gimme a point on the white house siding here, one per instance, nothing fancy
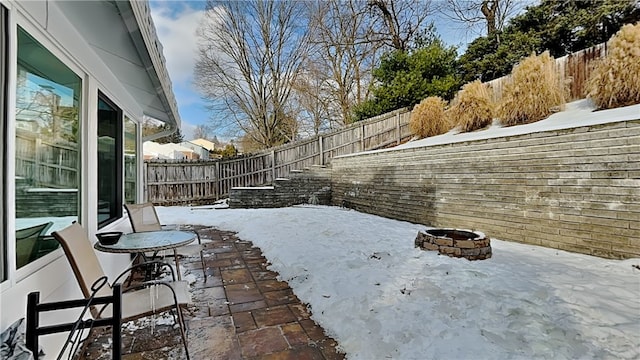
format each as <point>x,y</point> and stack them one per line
<point>203,153</point>
<point>153,150</point>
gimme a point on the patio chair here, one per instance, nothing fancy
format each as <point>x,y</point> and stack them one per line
<point>143,217</point>
<point>28,243</point>
<point>137,301</point>
<point>77,329</point>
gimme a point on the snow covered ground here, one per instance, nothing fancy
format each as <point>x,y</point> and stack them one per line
<point>381,298</point>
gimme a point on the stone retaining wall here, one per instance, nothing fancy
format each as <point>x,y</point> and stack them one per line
<point>46,203</point>
<point>575,189</point>
<point>308,187</point>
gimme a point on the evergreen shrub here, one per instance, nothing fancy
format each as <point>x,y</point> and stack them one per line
<point>615,80</point>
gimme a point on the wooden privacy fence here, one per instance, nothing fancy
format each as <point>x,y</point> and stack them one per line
<point>44,163</point>
<point>202,181</point>
<point>574,69</point>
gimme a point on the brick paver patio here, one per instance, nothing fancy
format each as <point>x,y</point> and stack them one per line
<point>241,312</point>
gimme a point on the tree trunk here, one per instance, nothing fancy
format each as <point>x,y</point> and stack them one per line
<point>489,9</point>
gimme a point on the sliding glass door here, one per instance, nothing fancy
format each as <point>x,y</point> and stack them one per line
<point>110,164</point>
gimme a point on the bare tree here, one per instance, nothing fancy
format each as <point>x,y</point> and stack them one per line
<point>201,132</point>
<point>339,68</point>
<point>494,13</point>
<point>43,106</point>
<point>250,54</point>
<point>400,20</point>
<point>312,99</point>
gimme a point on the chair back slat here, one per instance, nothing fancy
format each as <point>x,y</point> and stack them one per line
<point>82,258</point>
<point>143,217</point>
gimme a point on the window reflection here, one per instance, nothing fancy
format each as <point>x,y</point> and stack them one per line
<point>47,148</point>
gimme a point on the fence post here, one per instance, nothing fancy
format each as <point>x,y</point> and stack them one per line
<point>273,166</point>
<point>398,126</point>
<point>321,150</point>
<point>218,184</point>
<point>244,179</point>
<point>145,181</point>
<point>362,138</point>
<point>36,164</point>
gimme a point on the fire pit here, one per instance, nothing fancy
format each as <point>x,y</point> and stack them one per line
<point>472,245</point>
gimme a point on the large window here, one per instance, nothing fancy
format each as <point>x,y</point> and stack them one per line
<point>109,161</point>
<point>47,148</point>
<point>130,163</point>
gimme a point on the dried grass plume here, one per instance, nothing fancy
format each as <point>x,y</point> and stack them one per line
<point>533,90</point>
<point>472,109</point>
<point>428,119</point>
<point>615,80</point>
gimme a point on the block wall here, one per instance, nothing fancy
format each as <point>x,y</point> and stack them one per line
<point>48,203</point>
<point>309,187</point>
<point>574,189</point>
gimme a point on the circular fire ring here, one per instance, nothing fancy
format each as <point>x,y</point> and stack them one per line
<point>472,245</point>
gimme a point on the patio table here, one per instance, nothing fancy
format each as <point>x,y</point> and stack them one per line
<point>150,241</point>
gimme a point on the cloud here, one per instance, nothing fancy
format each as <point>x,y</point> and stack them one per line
<point>176,25</point>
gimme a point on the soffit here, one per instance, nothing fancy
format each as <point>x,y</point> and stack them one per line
<point>122,35</point>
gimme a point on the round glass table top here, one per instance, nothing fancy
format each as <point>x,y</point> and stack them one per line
<point>148,241</point>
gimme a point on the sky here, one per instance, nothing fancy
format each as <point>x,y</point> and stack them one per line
<point>176,23</point>
<point>381,298</point>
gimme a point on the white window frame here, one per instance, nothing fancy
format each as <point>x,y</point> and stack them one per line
<point>139,156</point>
<point>16,18</point>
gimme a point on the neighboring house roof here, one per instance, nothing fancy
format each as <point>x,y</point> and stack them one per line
<point>164,151</point>
<point>204,143</point>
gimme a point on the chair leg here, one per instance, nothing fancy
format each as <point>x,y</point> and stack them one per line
<point>183,331</point>
<point>177,260</point>
<point>204,268</point>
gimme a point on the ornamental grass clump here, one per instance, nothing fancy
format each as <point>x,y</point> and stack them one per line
<point>428,119</point>
<point>615,80</point>
<point>472,108</point>
<point>535,88</point>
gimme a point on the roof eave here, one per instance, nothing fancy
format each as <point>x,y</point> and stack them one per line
<point>137,18</point>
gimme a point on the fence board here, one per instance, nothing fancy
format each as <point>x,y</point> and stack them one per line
<point>573,69</point>
<point>46,163</point>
